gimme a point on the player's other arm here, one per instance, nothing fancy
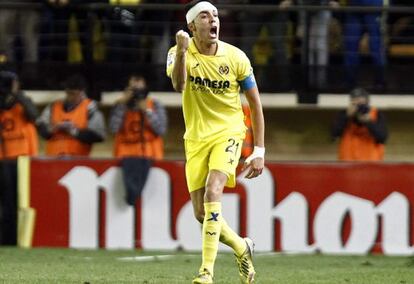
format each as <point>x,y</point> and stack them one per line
<point>256,160</point>
<point>179,73</point>
<point>257,117</point>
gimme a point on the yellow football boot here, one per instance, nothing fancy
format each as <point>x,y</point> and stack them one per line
<point>245,263</point>
<point>204,277</point>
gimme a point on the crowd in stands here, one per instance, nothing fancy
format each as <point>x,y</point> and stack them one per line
<point>114,31</point>
<point>64,30</point>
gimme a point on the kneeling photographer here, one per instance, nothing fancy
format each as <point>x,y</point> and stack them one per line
<point>361,129</point>
<point>138,122</point>
<point>18,134</point>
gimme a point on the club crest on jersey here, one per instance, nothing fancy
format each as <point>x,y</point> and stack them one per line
<point>224,69</point>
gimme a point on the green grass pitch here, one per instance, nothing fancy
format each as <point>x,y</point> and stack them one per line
<point>105,266</point>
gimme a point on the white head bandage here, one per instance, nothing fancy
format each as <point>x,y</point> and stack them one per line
<point>197,9</point>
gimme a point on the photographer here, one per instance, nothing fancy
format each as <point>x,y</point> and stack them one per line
<point>72,125</point>
<point>138,122</point>
<point>361,129</point>
<point>18,135</point>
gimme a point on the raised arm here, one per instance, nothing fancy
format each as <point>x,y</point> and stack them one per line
<point>179,72</point>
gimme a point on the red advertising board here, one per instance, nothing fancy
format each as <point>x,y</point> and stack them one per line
<point>349,208</point>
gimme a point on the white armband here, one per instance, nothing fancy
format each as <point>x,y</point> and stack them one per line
<point>258,152</point>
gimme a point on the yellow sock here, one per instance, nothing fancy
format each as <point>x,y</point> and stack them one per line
<point>230,238</point>
<point>211,234</point>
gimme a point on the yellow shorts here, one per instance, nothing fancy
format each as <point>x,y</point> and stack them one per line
<point>222,154</point>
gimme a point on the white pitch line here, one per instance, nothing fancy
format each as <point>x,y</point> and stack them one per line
<point>259,254</point>
<point>285,253</point>
<point>145,258</point>
<point>148,258</point>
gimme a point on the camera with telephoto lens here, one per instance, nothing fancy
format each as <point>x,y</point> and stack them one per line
<point>139,94</point>
<point>6,86</point>
<point>363,109</point>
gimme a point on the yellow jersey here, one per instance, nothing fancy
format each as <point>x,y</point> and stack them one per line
<point>211,96</point>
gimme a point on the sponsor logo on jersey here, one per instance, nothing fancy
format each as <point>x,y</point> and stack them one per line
<point>214,84</point>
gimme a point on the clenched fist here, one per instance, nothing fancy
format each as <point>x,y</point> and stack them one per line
<point>183,39</point>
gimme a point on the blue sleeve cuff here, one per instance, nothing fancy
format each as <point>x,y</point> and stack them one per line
<point>248,83</point>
